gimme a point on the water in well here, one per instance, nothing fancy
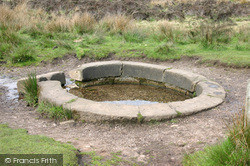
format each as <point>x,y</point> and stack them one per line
<point>129,94</point>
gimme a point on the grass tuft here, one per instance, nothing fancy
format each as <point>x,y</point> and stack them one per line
<point>23,54</point>
<point>31,89</point>
<point>84,23</point>
<point>54,112</point>
<point>116,23</point>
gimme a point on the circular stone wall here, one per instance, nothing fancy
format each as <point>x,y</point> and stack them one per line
<point>208,93</point>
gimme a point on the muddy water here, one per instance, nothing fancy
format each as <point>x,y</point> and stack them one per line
<point>129,94</point>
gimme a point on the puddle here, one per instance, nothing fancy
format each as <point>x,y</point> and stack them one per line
<point>69,84</point>
<point>129,94</point>
<point>11,86</point>
<point>131,102</point>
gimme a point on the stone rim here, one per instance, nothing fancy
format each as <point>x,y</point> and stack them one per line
<point>209,93</point>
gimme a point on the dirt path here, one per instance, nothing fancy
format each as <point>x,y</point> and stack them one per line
<point>158,144</point>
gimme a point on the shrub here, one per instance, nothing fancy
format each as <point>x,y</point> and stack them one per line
<point>54,112</point>
<point>31,89</point>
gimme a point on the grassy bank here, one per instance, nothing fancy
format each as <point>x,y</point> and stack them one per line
<point>31,36</point>
<point>232,151</point>
<point>17,141</point>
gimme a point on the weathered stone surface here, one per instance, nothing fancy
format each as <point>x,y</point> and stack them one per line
<point>210,88</point>
<point>143,70</point>
<point>197,104</point>
<point>182,79</point>
<point>157,111</point>
<point>51,91</point>
<point>97,70</point>
<point>96,111</point>
<point>59,76</point>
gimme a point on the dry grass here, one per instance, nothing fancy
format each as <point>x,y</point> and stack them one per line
<point>21,17</point>
<point>84,23</point>
<point>8,17</point>
<point>58,24</point>
<point>239,132</point>
<point>164,3</point>
<point>116,23</point>
<point>169,30</point>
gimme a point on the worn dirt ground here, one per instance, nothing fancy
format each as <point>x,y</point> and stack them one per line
<point>161,143</point>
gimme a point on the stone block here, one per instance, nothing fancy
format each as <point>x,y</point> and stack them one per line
<point>182,79</point>
<point>58,76</point>
<point>210,88</point>
<point>194,105</point>
<point>157,111</point>
<point>51,91</point>
<point>143,70</point>
<point>97,70</point>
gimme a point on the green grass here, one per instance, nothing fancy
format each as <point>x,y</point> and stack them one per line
<point>31,89</point>
<point>115,159</point>
<point>223,154</point>
<point>234,151</point>
<point>17,141</point>
<point>24,48</point>
<point>54,112</point>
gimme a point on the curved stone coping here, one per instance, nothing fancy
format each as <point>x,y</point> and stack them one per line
<point>209,94</point>
<point>172,77</point>
<point>59,76</point>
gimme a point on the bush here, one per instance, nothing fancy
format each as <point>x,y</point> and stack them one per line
<point>54,112</point>
<point>31,89</point>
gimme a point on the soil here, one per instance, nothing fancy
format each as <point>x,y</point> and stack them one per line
<point>142,9</point>
<point>159,143</point>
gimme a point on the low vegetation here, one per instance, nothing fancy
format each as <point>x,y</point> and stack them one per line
<point>17,141</point>
<point>54,112</point>
<point>31,89</point>
<point>30,36</point>
<point>233,151</point>
<point>116,159</point>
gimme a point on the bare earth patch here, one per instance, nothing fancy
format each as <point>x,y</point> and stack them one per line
<point>160,143</point>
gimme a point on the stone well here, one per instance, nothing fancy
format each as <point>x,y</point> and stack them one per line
<point>209,94</point>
